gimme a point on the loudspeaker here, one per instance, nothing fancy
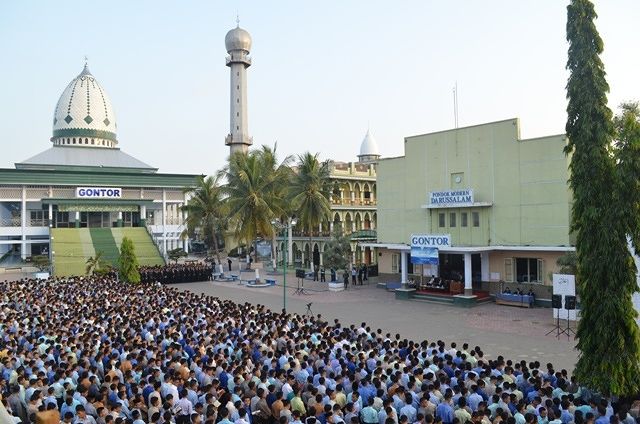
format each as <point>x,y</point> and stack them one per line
<point>556,301</point>
<point>570,302</point>
<point>299,273</point>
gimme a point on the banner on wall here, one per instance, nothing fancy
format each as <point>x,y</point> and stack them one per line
<point>564,285</point>
<point>424,247</point>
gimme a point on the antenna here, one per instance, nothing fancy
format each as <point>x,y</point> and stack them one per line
<point>455,105</point>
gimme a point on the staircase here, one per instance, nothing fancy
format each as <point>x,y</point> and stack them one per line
<point>73,246</point>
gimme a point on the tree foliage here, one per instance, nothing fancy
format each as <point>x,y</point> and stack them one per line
<point>128,262</point>
<point>176,254</point>
<point>97,265</point>
<point>256,193</point>
<point>567,263</point>
<point>207,210</point>
<point>309,193</point>
<point>608,337</point>
<point>41,262</point>
<point>338,251</point>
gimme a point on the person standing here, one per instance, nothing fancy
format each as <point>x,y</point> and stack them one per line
<point>322,275</point>
<point>354,273</point>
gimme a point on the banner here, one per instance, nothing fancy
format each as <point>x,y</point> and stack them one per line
<point>564,285</point>
<point>424,247</point>
<point>424,255</point>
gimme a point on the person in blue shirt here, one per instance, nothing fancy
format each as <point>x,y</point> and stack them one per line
<point>444,411</point>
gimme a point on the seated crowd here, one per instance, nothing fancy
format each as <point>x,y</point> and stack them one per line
<point>94,350</point>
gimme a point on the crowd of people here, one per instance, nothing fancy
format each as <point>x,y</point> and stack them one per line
<point>98,351</point>
<point>177,273</point>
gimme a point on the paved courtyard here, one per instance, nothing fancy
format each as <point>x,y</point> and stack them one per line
<point>516,333</point>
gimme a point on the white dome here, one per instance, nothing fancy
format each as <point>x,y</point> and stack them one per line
<point>84,113</point>
<point>369,147</point>
<point>237,39</point>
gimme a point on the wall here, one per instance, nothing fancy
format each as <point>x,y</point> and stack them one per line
<point>496,262</point>
<point>525,181</point>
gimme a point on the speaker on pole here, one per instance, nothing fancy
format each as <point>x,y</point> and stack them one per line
<point>570,302</point>
<point>556,301</point>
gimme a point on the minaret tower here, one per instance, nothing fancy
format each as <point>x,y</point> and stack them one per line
<point>238,44</point>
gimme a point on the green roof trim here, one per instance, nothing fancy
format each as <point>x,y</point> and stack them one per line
<point>84,132</point>
<point>99,178</point>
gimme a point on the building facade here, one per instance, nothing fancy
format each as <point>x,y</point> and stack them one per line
<point>353,211</point>
<point>84,180</point>
<point>504,201</point>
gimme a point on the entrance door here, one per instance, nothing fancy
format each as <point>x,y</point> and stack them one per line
<point>95,219</point>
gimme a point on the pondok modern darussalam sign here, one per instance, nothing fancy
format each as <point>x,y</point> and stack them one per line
<point>451,197</point>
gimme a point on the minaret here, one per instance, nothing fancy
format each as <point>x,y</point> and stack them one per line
<point>238,44</point>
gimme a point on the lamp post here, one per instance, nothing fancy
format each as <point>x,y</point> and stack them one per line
<point>279,225</point>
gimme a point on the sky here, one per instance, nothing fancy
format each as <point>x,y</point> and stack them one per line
<point>322,72</point>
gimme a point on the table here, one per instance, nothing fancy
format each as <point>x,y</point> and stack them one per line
<point>524,301</point>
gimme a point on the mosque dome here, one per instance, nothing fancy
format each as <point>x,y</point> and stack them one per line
<point>84,115</point>
<point>369,147</point>
<point>237,39</point>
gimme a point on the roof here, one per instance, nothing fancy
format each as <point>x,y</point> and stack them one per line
<point>85,157</point>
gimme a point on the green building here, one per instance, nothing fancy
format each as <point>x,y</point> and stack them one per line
<point>84,194</point>
<point>503,201</point>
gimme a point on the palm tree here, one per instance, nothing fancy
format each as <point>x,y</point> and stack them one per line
<point>255,190</point>
<point>310,191</point>
<point>94,264</point>
<point>206,209</point>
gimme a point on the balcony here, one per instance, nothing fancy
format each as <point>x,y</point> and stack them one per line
<point>14,221</point>
<point>353,203</point>
<point>364,235</point>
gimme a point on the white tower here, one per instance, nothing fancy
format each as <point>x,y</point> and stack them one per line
<point>238,44</point>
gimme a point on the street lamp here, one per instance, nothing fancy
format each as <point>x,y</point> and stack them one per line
<point>279,225</point>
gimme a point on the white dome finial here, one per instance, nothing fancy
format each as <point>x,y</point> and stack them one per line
<point>368,148</point>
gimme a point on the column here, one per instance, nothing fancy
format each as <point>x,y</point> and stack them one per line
<point>50,215</point>
<point>353,196</point>
<point>289,242</point>
<point>403,269</point>
<point>119,222</point>
<point>185,216</point>
<point>77,219</point>
<point>23,223</point>
<point>164,222</point>
<point>331,227</point>
<point>353,226</point>
<point>484,266</point>
<point>468,287</point>
<point>321,264</point>
<point>320,230</point>
<point>143,215</point>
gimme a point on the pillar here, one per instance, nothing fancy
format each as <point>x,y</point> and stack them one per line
<point>164,222</point>
<point>77,219</point>
<point>23,224</point>
<point>120,223</point>
<point>484,266</point>
<point>468,287</point>
<point>289,243</point>
<point>403,269</point>
<point>331,227</point>
<point>321,264</point>
<point>50,215</point>
<point>143,215</point>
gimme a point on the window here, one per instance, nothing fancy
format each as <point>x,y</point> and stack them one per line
<point>452,219</point>
<point>395,262</point>
<point>441,222</point>
<point>463,219</point>
<point>529,270</point>
<point>475,217</point>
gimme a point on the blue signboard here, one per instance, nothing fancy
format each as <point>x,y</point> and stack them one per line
<point>424,255</point>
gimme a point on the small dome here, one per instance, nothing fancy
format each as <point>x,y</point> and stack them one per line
<point>84,112</point>
<point>237,39</point>
<point>369,147</point>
